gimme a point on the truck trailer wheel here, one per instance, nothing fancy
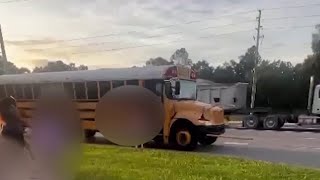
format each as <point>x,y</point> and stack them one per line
<point>251,121</point>
<point>271,122</point>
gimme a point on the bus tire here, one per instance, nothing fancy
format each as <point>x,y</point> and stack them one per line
<point>271,122</point>
<point>184,136</point>
<point>89,133</point>
<point>206,140</point>
<point>251,122</point>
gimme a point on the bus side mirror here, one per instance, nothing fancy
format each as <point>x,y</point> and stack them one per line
<point>177,88</point>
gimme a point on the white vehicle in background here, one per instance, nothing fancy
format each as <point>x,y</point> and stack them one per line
<point>233,99</point>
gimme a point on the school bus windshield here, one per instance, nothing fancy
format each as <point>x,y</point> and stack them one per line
<point>187,90</point>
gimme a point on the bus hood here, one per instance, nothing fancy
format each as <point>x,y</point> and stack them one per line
<point>196,110</point>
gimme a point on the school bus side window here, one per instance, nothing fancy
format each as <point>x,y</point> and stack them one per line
<point>104,87</point>
<point>19,91</point>
<point>36,91</point>
<point>47,86</point>
<point>154,85</point>
<point>80,90</point>
<point>10,90</point>
<point>116,84</point>
<point>68,88</point>
<point>27,89</point>
<point>133,82</point>
<point>92,90</point>
<point>2,91</point>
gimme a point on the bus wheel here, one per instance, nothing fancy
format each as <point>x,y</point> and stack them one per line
<point>206,140</point>
<point>184,138</point>
<point>251,121</point>
<point>271,122</point>
<point>89,133</point>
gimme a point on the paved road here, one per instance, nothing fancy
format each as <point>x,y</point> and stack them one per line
<point>286,127</point>
<point>296,148</point>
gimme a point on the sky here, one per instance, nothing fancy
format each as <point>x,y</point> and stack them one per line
<point>119,33</point>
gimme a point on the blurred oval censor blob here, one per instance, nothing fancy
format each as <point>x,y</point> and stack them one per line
<point>56,135</point>
<point>129,115</point>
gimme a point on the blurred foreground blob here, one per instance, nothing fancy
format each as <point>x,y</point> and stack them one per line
<point>129,115</point>
<point>14,159</point>
<point>56,135</point>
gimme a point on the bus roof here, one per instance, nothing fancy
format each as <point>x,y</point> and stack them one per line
<point>149,72</point>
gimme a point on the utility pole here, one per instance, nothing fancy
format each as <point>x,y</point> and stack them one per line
<point>3,52</point>
<point>254,75</point>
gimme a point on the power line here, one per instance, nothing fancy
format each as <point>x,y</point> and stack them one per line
<point>293,17</point>
<point>12,1</point>
<point>231,24</point>
<point>291,7</point>
<point>292,27</point>
<point>203,37</point>
<point>148,45</point>
<point>107,42</point>
<point>156,28</point>
<point>173,25</point>
<point>148,37</point>
<point>213,18</point>
<point>168,26</point>
<point>277,47</point>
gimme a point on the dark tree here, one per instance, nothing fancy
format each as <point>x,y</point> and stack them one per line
<point>56,66</point>
<point>204,70</point>
<point>12,68</point>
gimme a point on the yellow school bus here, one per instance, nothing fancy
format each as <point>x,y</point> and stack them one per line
<point>187,122</point>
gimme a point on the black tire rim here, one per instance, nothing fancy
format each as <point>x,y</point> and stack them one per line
<point>183,139</point>
<point>251,122</point>
<point>271,123</point>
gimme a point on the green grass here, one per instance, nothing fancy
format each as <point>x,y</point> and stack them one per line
<point>104,162</point>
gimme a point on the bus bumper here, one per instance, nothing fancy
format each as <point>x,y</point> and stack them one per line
<point>212,129</point>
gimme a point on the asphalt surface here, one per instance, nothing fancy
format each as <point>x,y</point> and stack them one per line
<point>286,127</point>
<point>290,147</point>
<point>301,148</point>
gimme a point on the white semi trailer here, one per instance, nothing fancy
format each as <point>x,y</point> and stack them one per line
<point>233,99</point>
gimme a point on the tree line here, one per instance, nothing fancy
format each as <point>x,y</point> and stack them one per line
<point>52,66</point>
<point>280,84</point>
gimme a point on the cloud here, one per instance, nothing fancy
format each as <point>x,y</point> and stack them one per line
<point>51,21</point>
<point>53,53</point>
<point>278,44</point>
<point>39,62</point>
<point>29,42</point>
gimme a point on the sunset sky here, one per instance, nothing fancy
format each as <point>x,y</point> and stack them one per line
<point>118,33</point>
